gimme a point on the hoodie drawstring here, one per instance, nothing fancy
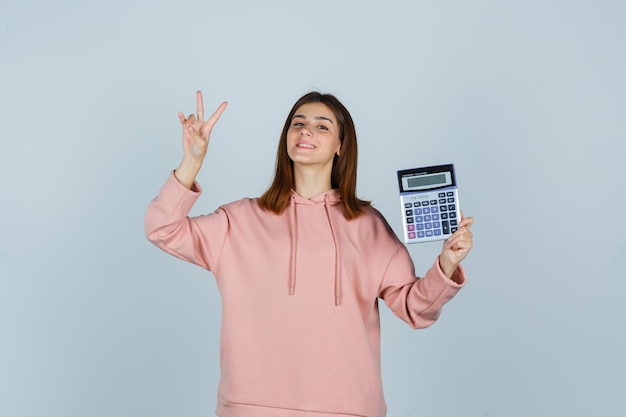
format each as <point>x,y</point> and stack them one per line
<point>332,230</point>
<point>294,248</point>
<point>294,242</point>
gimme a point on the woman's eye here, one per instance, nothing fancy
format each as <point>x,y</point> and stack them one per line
<point>297,124</point>
<point>322,127</point>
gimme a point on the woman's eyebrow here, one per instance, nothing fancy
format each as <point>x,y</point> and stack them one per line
<point>301,116</point>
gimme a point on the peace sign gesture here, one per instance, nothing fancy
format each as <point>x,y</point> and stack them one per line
<point>196,136</point>
<point>197,131</point>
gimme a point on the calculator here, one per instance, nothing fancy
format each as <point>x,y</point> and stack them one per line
<point>430,203</point>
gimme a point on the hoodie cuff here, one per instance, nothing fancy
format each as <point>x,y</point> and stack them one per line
<point>458,279</point>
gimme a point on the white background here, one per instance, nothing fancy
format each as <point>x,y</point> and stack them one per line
<point>527,98</point>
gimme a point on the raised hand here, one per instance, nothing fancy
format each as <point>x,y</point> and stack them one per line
<point>196,136</point>
<point>197,131</point>
<point>456,248</point>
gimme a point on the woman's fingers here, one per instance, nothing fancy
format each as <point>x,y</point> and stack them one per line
<point>199,105</point>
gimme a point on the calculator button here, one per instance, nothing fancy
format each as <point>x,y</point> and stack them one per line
<point>408,205</point>
<point>418,211</point>
<point>441,195</point>
<point>419,226</point>
<point>454,229</point>
<point>410,227</point>
<point>427,210</point>
<point>427,218</point>
<point>451,200</point>
<point>453,223</point>
<point>429,233</point>
<point>444,216</point>
<point>436,225</point>
<point>416,204</point>
<point>437,232</point>
<point>453,214</point>
<point>445,227</point>
<point>411,235</point>
<point>434,209</point>
<point>428,226</point>
<point>424,203</point>
<point>451,207</point>
<point>435,217</point>
<point>409,219</point>
<point>443,208</point>
<point>420,234</point>
<point>408,212</point>
<point>450,194</point>
<point>442,201</point>
<point>433,202</point>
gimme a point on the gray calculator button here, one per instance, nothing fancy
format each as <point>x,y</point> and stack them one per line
<point>416,204</point>
<point>444,208</point>
<point>433,202</point>
<point>453,215</point>
<point>425,203</point>
<point>451,207</point>
<point>451,200</point>
<point>408,205</point>
<point>441,195</point>
<point>444,216</point>
<point>409,219</point>
<point>445,226</point>
<point>408,212</point>
<point>450,194</point>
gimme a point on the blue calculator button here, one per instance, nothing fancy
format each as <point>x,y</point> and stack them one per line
<point>427,210</point>
<point>437,232</point>
<point>418,211</point>
<point>420,234</point>
<point>427,218</point>
<point>429,233</point>
<point>428,226</point>
<point>435,217</point>
<point>434,209</point>
<point>436,225</point>
<point>419,219</point>
<point>419,226</point>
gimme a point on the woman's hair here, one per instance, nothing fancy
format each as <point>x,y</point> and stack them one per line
<point>343,176</point>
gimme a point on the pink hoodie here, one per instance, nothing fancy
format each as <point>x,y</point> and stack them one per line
<point>300,324</point>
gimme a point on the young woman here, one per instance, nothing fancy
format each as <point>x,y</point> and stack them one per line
<point>300,270</point>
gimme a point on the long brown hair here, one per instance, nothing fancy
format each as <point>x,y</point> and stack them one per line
<point>343,176</point>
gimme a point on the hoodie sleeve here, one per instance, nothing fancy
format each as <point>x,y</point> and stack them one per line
<point>417,301</point>
<point>198,240</point>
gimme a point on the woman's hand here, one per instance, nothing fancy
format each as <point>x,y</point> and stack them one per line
<point>196,136</point>
<point>456,248</point>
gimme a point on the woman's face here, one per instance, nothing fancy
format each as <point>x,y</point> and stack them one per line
<point>313,136</point>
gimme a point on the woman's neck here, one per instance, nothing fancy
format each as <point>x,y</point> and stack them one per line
<point>310,182</point>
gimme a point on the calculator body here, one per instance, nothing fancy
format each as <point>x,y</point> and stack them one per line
<point>430,203</point>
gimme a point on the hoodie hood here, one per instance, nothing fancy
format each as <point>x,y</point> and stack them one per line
<point>323,200</point>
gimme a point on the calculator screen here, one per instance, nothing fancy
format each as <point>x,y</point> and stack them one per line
<point>436,179</point>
